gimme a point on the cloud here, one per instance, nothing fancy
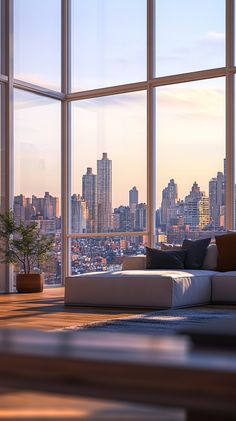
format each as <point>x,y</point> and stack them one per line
<point>214,36</point>
<point>193,101</point>
<point>24,100</point>
<point>38,79</point>
<point>118,100</point>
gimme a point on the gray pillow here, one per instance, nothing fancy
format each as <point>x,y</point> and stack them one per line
<point>169,259</point>
<point>195,252</point>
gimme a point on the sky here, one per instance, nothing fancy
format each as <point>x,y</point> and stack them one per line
<point>109,48</point>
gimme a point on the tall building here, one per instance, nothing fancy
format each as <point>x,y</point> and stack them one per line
<point>133,201</point>
<point>19,208</point>
<point>141,217</point>
<point>79,213</point>
<point>203,210</point>
<point>168,204</point>
<point>104,194</point>
<point>196,209</point>
<point>89,193</point>
<point>217,201</point>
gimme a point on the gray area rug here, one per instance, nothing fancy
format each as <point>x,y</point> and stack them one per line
<point>161,321</point>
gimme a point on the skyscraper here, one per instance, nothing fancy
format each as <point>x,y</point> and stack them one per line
<point>168,204</point>
<point>141,217</point>
<point>79,214</point>
<point>217,200</point>
<point>89,193</point>
<point>133,201</point>
<point>196,209</point>
<point>104,194</point>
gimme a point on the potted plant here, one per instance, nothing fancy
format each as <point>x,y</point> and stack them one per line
<point>22,245</point>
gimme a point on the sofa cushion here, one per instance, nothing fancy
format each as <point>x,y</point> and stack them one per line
<point>195,252</point>
<point>224,287</point>
<point>210,261</point>
<point>140,288</point>
<point>169,259</point>
<point>226,245</point>
<point>134,262</point>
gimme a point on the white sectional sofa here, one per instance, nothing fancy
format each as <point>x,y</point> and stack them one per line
<point>135,286</point>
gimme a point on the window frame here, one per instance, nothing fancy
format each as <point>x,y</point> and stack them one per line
<point>151,82</point>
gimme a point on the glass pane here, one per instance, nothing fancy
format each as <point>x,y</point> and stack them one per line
<point>94,254</point>
<point>37,42</point>
<point>37,173</point>
<point>111,49</point>
<point>109,164</point>
<point>190,35</point>
<point>190,120</point>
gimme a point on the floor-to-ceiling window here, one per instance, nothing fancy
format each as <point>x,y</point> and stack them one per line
<point>37,122</point>
<point>37,170</point>
<point>118,124</point>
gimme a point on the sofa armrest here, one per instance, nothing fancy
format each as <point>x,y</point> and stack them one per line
<point>134,262</point>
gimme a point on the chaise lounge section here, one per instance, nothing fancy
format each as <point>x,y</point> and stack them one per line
<point>140,288</point>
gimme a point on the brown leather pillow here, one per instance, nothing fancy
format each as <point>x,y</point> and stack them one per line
<point>226,245</point>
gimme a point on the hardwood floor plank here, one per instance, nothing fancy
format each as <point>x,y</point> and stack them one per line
<point>46,311</point>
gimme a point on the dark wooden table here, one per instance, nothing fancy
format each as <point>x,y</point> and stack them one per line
<point>139,369</point>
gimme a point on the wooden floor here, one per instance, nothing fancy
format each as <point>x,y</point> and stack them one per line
<point>46,311</point>
<point>32,406</point>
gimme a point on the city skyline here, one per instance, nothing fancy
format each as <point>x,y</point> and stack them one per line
<point>190,128</point>
<point>86,202</point>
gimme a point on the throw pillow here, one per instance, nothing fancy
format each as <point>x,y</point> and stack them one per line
<point>195,252</point>
<point>226,245</point>
<point>210,261</point>
<point>169,259</point>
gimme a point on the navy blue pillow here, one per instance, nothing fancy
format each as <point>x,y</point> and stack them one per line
<point>195,252</point>
<point>168,259</point>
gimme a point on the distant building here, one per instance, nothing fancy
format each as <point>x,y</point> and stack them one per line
<point>89,193</point>
<point>196,209</point>
<point>47,226</point>
<point>19,208</point>
<point>79,214</point>
<point>168,204</point>
<point>123,219</point>
<point>217,200</point>
<point>141,217</point>
<point>133,201</point>
<point>47,206</point>
<point>104,194</point>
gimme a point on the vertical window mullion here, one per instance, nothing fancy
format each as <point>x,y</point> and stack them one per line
<point>65,156</point>
<point>151,153</point>
<point>8,152</point>
<point>230,148</point>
